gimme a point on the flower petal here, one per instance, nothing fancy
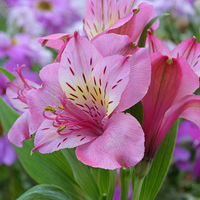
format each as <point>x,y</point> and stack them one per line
<point>111,44</point>
<point>17,92</point>
<point>114,72</point>
<point>121,145</point>
<point>187,107</point>
<point>169,83</point>
<point>189,49</point>
<point>156,45</point>
<point>139,59</point>
<point>48,140</point>
<point>97,16</point>
<point>20,130</point>
<point>139,81</point>
<point>134,27</point>
<point>50,94</point>
<point>55,41</point>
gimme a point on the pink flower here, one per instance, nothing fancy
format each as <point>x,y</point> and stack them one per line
<point>109,16</point>
<point>189,49</point>
<point>169,96</point>
<point>79,106</point>
<point>17,91</point>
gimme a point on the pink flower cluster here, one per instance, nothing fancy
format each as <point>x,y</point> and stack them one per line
<point>94,79</point>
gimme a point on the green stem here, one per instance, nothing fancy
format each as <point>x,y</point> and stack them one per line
<point>125,181</point>
<point>137,188</point>
<point>141,171</point>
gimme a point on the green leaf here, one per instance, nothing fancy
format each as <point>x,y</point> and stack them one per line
<point>9,75</point>
<point>82,175</point>
<point>107,183</point>
<point>160,165</point>
<point>112,183</point>
<point>44,192</point>
<point>43,168</point>
<point>7,115</point>
<point>106,180</point>
<point>142,40</point>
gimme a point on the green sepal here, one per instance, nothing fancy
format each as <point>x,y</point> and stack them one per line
<point>143,36</point>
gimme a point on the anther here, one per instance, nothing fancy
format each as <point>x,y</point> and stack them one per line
<point>50,108</point>
<point>61,128</point>
<point>61,107</point>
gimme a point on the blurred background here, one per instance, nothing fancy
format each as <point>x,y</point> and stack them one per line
<point>23,21</point>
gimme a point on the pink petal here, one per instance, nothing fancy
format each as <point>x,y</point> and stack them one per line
<point>189,49</point>
<point>156,45</point>
<point>55,41</point>
<point>139,81</point>
<point>50,94</point>
<point>140,73</point>
<point>169,83</point>
<point>17,88</point>
<point>20,130</point>
<point>97,16</point>
<point>77,63</point>
<point>111,44</point>
<point>121,145</point>
<point>47,139</point>
<point>116,26</point>
<point>123,7</point>
<point>187,107</point>
<point>134,27</point>
<point>114,73</point>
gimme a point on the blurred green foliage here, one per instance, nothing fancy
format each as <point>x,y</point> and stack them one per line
<point>14,181</point>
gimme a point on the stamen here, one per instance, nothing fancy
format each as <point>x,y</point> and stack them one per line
<point>61,128</point>
<point>50,108</point>
<point>19,71</point>
<point>61,107</point>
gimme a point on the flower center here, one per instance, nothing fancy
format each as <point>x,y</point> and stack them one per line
<point>44,5</point>
<point>67,122</point>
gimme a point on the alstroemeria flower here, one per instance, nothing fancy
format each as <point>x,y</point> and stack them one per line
<point>76,108</point>
<point>17,91</point>
<point>109,16</point>
<point>189,49</point>
<point>169,96</point>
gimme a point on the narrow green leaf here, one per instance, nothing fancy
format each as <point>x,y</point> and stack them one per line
<point>142,40</point>
<point>44,192</point>
<point>104,182</point>
<point>112,183</point>
<point>160,165</point>
<point>82,175</point>
<point>43,168</point>
<point>9,75</point>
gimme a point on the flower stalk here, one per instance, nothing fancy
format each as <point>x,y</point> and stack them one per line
<point>141,171</point>
<point>125,176</point>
